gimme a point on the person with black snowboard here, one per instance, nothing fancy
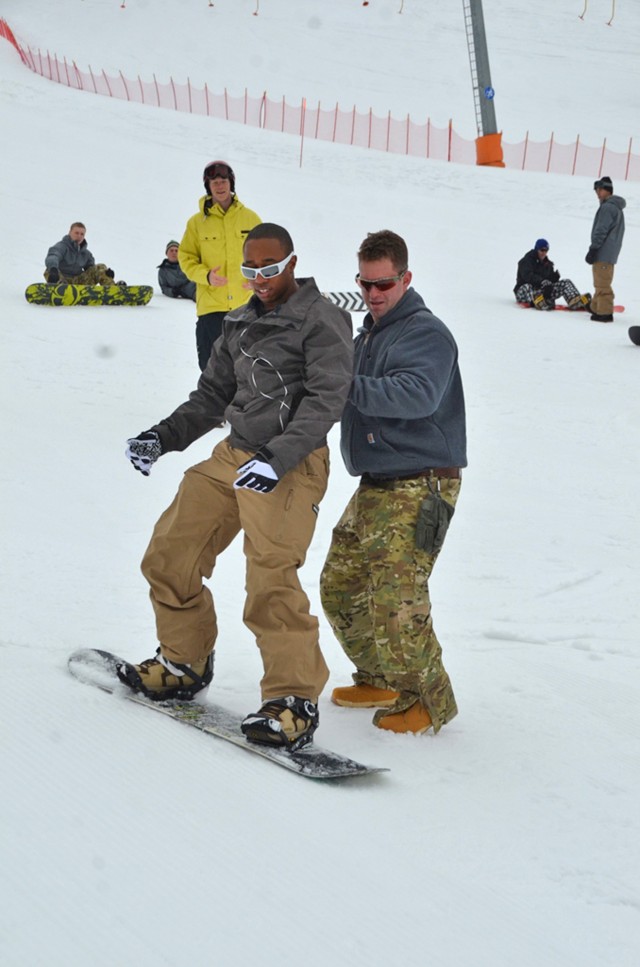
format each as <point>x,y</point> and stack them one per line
<point>171,278</point>
<point>538,283</point>
<point>279,375</point>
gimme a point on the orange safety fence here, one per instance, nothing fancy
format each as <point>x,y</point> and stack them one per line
<point>365,130</point>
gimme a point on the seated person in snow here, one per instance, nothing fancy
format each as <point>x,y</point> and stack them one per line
<point>69,260</point>
<point>171,278</point>
<point>539,284</point>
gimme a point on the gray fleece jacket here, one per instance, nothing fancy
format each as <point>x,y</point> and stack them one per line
<point>608,229</point>
<point>69,257</point>
<point>279,379</point>
<point>405,411</point>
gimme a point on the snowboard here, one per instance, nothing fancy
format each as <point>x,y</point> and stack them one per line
<point>98,668</point>
<point>67,294</point>
<point>351,301</point>
<point>525,305</point>
<point>634,334</point>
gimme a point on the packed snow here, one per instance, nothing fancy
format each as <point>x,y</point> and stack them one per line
<point>511,838</point>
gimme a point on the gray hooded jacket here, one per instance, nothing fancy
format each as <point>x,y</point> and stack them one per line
<point>608,229</point>
<point>174,282</point>
<point>405,411</point>
<point>69,257</point>
<point>279,379</point>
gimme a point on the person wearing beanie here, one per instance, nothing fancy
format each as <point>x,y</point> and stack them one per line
<point>210,254</point>
<point>538,282</point>
<point>171,278</point>
<point>607,233</point>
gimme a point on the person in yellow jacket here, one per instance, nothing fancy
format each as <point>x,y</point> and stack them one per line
<point>210,254</point>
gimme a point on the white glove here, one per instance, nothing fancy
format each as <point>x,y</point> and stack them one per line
<point>143,451</point>
<point>257,474</point>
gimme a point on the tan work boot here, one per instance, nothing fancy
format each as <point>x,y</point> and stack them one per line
<point>160,679</point>
<point>364,696</point>
<point>415,719</point>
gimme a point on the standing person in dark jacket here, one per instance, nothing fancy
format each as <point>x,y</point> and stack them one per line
<point>538,283</point>
<point>403,431</point>
<point>171,278</point>
<point>211,252</point>
<point>279,375</point>
<point>607,233</point>
<point>69,260</point>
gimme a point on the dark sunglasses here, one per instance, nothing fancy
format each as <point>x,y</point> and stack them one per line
<point>383,285</point>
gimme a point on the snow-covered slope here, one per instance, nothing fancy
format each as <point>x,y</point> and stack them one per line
<point>512,836</point>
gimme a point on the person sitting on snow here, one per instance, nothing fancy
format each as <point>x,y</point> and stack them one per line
<point>171,278</point>
<point>69,260</point>
<point>539,284</point>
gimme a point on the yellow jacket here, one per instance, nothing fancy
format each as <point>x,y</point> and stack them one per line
<point>214,238</point>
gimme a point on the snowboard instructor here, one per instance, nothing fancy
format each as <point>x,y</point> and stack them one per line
<point>279,375</point>
<point>403,433</point>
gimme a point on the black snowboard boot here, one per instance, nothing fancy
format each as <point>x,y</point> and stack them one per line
<point>601,318</point>
<point>160,679</point>
<point>289,722</point>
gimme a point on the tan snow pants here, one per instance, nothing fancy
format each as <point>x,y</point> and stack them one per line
<point>205,516</point>
<point>603,296</point>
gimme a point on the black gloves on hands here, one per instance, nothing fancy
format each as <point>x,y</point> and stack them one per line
<point>53,276</point>
<point>590,257</point>
<point>257,473</point>
<point>110,273</point>
<point>143,451</point>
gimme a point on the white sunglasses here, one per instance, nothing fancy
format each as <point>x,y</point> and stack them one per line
<point>267,271</point>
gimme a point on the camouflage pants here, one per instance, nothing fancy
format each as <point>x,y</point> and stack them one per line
<point>375,595</point>
<point>94,275</point>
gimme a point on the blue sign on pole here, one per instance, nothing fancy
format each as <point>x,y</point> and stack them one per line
<point>489,93</point>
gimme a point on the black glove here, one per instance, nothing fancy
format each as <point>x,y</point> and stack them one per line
<point>53,276</point>
<point>590,257</point>
<point>143,451</point>
<point>257,473</point>
<point>110,273</point>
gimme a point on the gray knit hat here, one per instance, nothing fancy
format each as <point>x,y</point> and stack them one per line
<point>604,182</point>
<point>170,244</point>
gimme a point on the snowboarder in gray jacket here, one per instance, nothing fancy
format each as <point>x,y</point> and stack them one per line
<point>69,260</point>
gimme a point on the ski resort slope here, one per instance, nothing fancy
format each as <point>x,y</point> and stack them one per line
<point>512,837</point>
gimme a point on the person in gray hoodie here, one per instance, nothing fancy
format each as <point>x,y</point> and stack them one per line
<point>403,433</point>
<point>171,278</point>
<point>279,375</point>
<point>607,233</point>
<point>69,260</point>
